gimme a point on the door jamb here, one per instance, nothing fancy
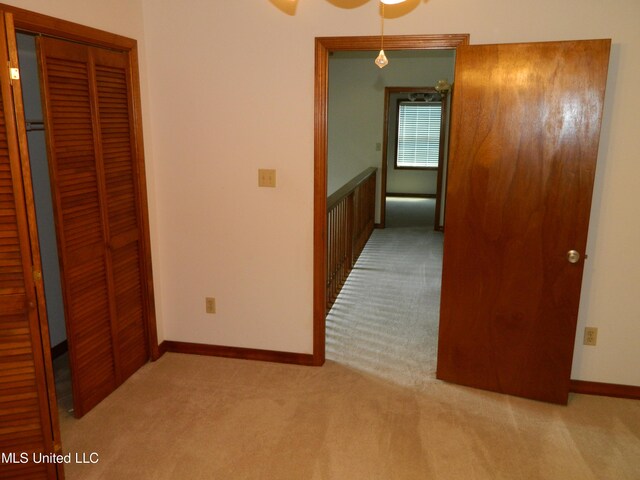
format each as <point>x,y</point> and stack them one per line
<point>323,46</point>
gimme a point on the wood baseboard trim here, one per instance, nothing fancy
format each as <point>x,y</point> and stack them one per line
<point>411,195</point>
<point>237,352</point>
<point>162,349</point>
<point>605,389</point>
<point>59,350</point>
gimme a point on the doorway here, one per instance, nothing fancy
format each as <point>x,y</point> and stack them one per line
<point>324,46</point>
<point>415,148</point>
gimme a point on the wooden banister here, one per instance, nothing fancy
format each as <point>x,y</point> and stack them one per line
<point>350,222</point>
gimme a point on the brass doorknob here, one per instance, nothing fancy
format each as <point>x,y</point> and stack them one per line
<point>573,256</point>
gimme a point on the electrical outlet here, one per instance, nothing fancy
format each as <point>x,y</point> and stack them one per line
<point>266,177</point>
<point>590,336</point>
<point>210,304</point>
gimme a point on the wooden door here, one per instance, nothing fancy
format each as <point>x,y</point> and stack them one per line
<point>94,175</point>
<point>26,423</point>
<point>524,139</point>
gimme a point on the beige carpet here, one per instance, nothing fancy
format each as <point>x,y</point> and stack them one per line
<point>373,412</point>
<point>190,417</point>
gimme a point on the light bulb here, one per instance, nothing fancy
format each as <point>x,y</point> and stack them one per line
<point>381,60</point>
<point>391,2</point>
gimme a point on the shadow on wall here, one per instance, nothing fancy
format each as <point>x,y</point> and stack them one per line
<point>391,11</point>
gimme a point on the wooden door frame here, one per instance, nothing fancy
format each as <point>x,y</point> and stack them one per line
<point>324,46</point>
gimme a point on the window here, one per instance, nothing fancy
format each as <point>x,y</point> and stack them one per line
<point>419,130</point>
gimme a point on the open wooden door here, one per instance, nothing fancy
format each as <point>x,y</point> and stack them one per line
<point>28,426</point>
<point>524,139</point>
<point>87,94</point>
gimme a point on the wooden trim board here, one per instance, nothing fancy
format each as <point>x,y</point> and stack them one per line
<point>605,389</point>
<point>237,352</point>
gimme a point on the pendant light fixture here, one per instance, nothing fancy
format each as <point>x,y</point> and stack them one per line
<point>381,60</point>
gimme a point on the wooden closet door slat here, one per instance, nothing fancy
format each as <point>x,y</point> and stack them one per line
<point>76,187</point>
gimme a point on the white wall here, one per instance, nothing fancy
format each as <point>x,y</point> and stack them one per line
<point>225,103</point>
<point>123,17</point>
<point>229,89</point>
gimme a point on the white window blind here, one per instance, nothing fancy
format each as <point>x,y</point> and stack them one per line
<point>419,135</point>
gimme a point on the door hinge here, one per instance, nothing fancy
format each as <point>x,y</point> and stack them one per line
<point>14,73</point>
<point>37,275</point>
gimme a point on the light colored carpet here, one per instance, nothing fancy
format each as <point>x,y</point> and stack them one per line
<point>374,411</point>
<point>385,320</point>
<point>190,417</point>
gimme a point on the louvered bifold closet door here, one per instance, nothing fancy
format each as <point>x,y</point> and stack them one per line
<point>79,220</point>
<point>25,424</point>
<point>113,89</point>
<point>92,160</point>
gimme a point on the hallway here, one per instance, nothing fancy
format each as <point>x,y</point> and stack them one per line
<point>385,320</point>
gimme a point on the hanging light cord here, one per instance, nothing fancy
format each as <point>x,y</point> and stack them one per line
<point>382,28</point>
<point>381,60</point>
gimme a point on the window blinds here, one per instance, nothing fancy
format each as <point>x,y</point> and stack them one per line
<point>419,135</point>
